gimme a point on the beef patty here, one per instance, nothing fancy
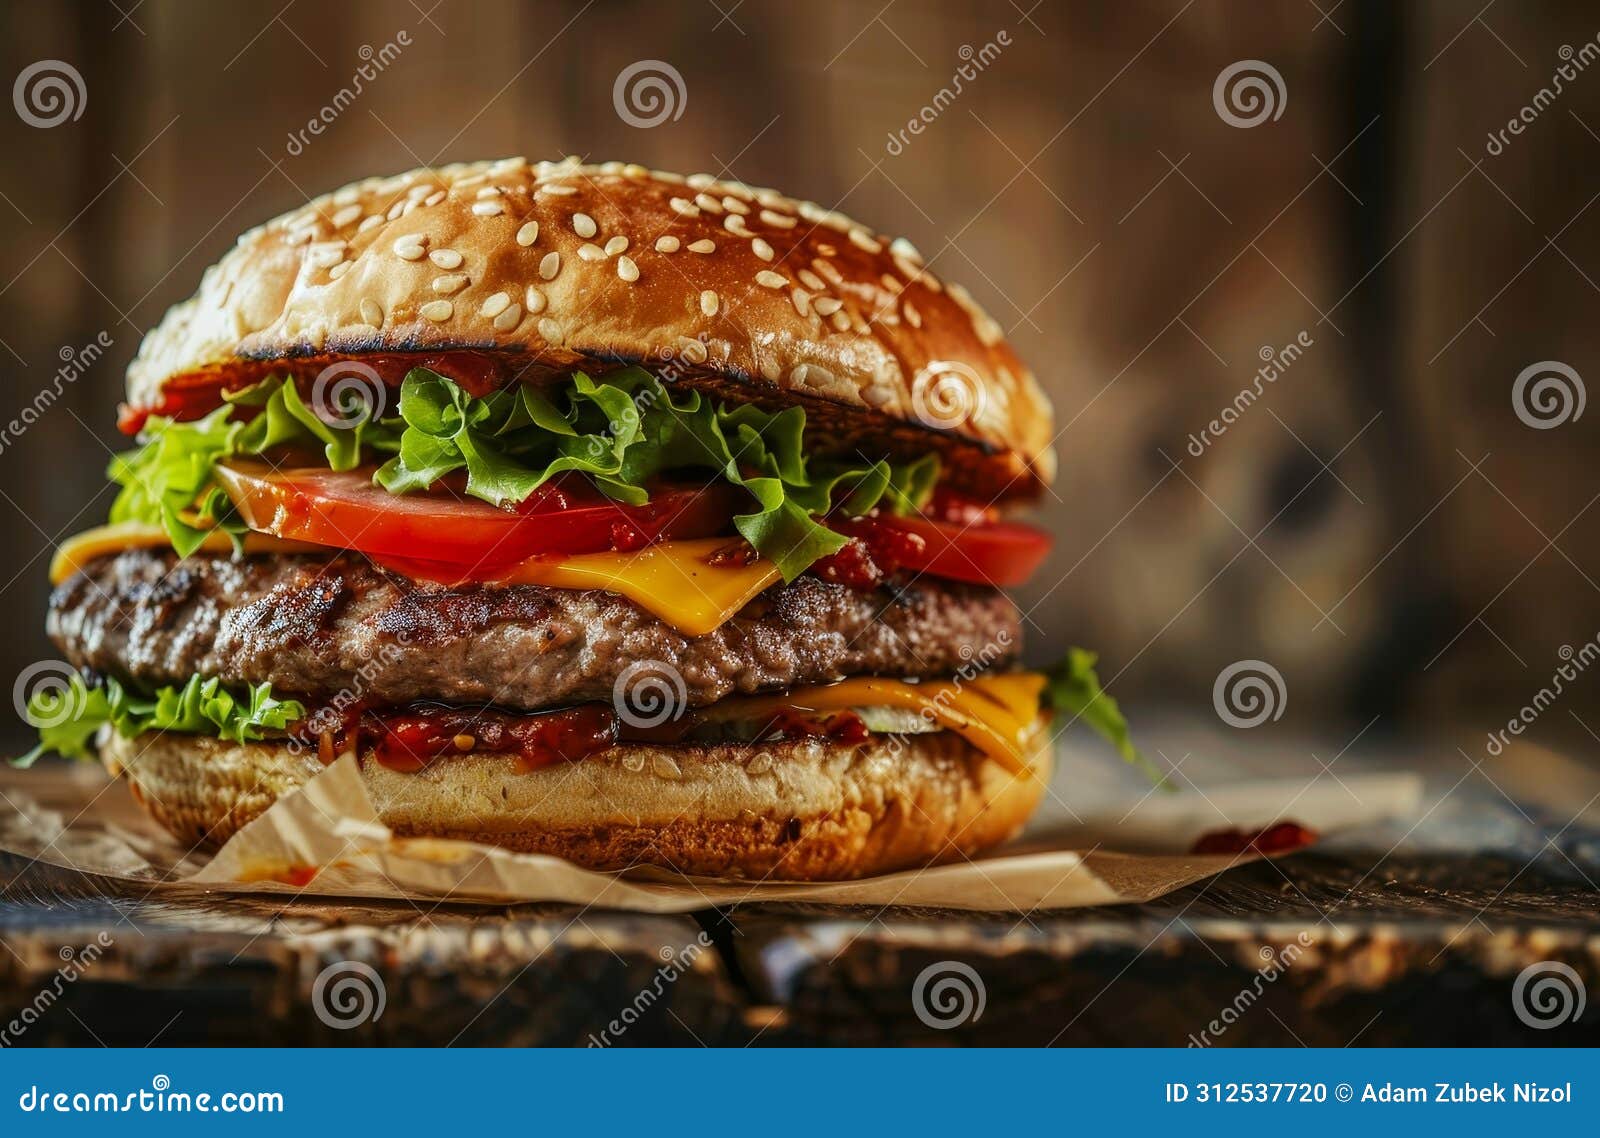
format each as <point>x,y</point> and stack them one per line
<point>316,626</point>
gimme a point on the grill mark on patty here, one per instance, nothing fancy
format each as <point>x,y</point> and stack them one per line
<point>314,626</point>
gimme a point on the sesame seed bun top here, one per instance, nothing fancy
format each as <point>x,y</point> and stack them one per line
<point>552,266</point>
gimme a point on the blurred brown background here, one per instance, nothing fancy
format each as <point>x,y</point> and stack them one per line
<point>1380,526</point>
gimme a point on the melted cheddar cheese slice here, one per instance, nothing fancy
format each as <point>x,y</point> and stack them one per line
<point>999,715</point>
<point>674,580</point>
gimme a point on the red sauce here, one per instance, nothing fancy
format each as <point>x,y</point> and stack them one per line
<point>409,739</point>
<point>842,727</point>
<point>1279,838</point>
<point>956,508</point>
<point>874,553</point>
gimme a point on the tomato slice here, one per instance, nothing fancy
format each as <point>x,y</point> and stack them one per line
<point>347,511</point>
<point>995,553</point>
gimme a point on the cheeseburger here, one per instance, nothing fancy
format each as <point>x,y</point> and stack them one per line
<point>590,511</point>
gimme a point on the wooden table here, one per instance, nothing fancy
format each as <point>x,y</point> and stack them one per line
<point>1398,950</point>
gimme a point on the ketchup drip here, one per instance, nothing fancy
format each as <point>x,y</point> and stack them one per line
<point>408,740</point>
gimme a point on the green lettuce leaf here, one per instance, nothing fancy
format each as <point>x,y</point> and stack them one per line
<point>170,480</point>
<point>1074,689</point>
<point>68,719</point>
<point>619,434</point>
<point>625,431</point>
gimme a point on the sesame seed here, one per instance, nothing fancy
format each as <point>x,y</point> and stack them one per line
<point>494,305</point>
<point>779,220</point>
<point>583,225</point>
<point>528,234</point>
<point>339,270</point>
<point>508,319</point>
<point>589,251</point>
<point>395,210</point>
<point>684,206</point>
<point>801,300</point>
<point>704,245</point>
<point>708,203</point>
<point>827,305</point>
<point>409,247</point>
<point>550,330</point>
<point>489,192</point>
<point>487,209</point>
<point>770,279</point>
<point>692,350</point>
<point>434,198</point>
<point>769,370</point>
<point>449,283</point>
<point>840,321</point>
<point>861,239</point>
<point>369,221</point>
<point>408,207</point>
<point>827,270</point>
<point>417,193</point>
<point>708,302</point>
<point>558,189</point>
<point>446,258</point>
<point>902,248</point>
<point>891,283</point>
<point>913,317</point>
<point>811,280</point>
<point>550,265</point>
<point>734,205</point>
<point>437,310</point>
<point>667,244</point>
<point>325,255</point>
<point>618,244</point>
<point>535,300</point>
<point>626,269</point>
<point>346,215</point>
<point>371,313</point>
<point>700,181</point>
<point>762,249</point>
<point>735,225</point>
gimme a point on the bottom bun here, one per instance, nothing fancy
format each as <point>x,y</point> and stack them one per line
<point>806,810</point>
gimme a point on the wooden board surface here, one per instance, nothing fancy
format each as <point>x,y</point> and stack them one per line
<point>1403,951</point>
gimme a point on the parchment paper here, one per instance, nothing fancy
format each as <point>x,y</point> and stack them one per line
<point>327,841</point>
